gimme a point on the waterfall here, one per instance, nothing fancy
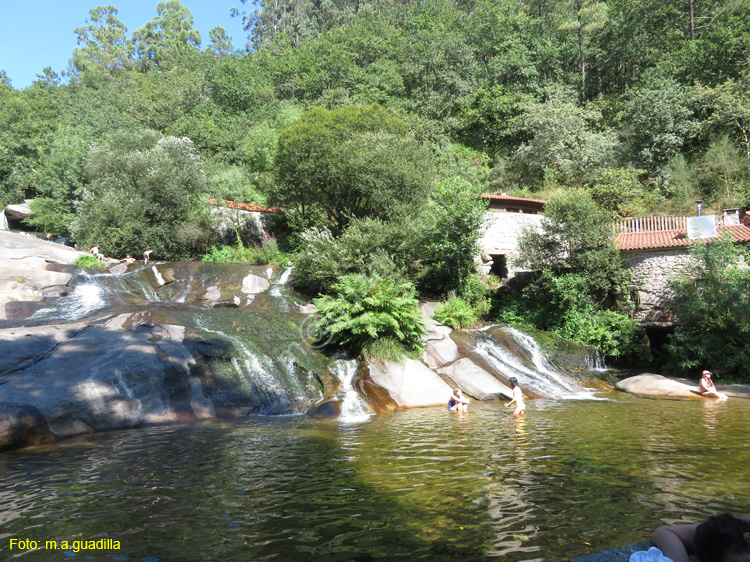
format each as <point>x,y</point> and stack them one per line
<point>276,288</point>
<point>261,378</point>
<point>353,406</point>
<point>3,220</point>
<point>541,378</point>
<point>86,298</point>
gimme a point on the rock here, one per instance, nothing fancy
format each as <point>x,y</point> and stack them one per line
<point>104,377</point>
<point>22,425</point>
<point>22,346</point>
<point>649,384</point>
<point>213,293</point>
<point>254,284</point>
<point>615,554</point>
<point>411,383</point>
<point>29,269</point>
<point>440,352</point>
<point>474,381</point>
<point>326,409</point>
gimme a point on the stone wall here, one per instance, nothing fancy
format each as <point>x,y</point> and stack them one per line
<point>652,272</point>
<point>500,234</point>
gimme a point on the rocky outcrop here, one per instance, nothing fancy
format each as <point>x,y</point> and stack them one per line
<point>410,383</point>
<point>475,381</point>
<point>658,386</point>
<point>34,271</point>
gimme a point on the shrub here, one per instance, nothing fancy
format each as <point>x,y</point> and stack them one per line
<point>87,261</point>
<point>455,313</point>
<point>378,317</point>
<point>267,253</point>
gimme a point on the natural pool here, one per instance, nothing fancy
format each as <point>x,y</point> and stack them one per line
<point>570,478</point>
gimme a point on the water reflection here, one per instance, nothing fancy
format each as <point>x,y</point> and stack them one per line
<point>422,484</point>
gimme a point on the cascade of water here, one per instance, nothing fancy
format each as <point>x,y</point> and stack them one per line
<point>3,220</point>
<point>86,298</point>
<point>256,373</point>
<point>280,282</point>
<point>541,378</point>
<point>353,406</point>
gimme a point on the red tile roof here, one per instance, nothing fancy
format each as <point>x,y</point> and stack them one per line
<point>674,238</point>
<point>503,197</point>
<point>243,206</point>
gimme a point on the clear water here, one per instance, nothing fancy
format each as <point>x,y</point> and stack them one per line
<point>570,478</point>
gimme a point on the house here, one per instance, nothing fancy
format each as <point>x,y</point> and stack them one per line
<point>656,249</point>
<point>504,221</point>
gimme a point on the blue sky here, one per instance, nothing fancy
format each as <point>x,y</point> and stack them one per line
<point>39,33</point>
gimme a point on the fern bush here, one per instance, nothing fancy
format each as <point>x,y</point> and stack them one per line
<point>455,313</point>
<point>375,316</point>
<point>87,261</point>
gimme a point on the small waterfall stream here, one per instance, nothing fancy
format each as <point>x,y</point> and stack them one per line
<point>87,297</point>
<point>353,406</point>
<point>3,220</point>
<point>541,377</point>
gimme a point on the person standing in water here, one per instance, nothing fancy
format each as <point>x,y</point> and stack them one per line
<point>517,397</point>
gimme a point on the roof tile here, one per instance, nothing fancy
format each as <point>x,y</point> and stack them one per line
<point>674,238</point>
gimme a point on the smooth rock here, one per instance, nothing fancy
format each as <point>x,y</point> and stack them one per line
<point>475,381</point>
<point>253,284</point>
<point>649,384</point>
<point>410,384</point>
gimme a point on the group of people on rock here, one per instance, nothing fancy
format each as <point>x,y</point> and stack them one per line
<point>460,403</point>
<point>96,252</point>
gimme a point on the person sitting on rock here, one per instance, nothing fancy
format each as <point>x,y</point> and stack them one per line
<point>708,389</point>
<point>720,538</point>
<point>94,251</point>
<point>458,402</point>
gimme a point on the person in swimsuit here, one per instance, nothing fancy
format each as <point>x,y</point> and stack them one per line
<point>146,256</point>
<point>707,388</point>
<point>720,538</point>
<point>458,402</point>
<point>517,397</point>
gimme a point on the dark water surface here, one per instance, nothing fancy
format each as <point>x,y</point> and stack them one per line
<point>570,478</point>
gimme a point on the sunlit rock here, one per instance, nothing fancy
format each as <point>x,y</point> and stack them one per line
<point>649,384</point>
<point>410,383</point>
<point>474,381</point>
<point>254,284</point>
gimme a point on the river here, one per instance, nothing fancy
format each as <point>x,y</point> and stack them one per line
<point>571,477</point>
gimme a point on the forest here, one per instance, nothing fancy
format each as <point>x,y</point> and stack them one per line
<point>374,124</point>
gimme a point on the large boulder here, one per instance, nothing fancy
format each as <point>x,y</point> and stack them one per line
<point>410,383</point>
<point>649,384</point>
<point>120,373</point>
<point>475,381</point>
<point>32,271</point>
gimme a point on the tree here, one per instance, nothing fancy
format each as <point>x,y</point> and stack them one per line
<point>563,140</point>
<point>103,47</point>
<point>351,162</point>
<point>576,236</point>
<point>168,37</point>
<point>221,43</point>
<point>586,16</point>
<point>712,309</point>
<point>147,191</point>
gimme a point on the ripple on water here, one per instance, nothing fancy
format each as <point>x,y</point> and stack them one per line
<point>422,484</point>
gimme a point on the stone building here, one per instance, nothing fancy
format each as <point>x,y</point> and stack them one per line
<point>503,223</point>
<point>656,249</point>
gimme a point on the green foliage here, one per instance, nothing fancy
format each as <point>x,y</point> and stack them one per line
<point>368,246</point>
<point>146,192</point>
<point>351,162</point>
<point>455,313</point>
<point>564,305</point>
<point>576,236</point>
<point>50,215</point>
<point>617,190</point>
<point>267,252</point>
<point>713,313</point>
<point>366,309</point>
<point>87,261</point>
<point>449,230</point>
